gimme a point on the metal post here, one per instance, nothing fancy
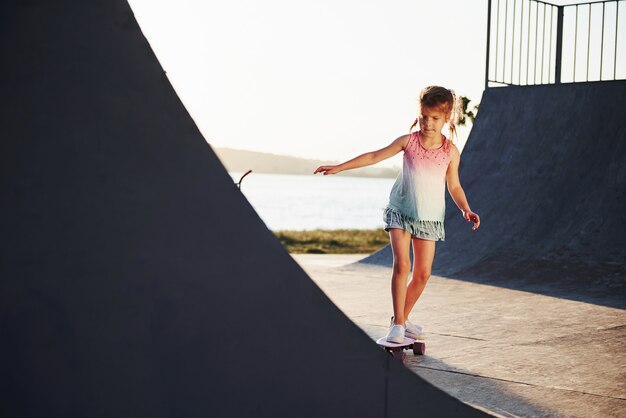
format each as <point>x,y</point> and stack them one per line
<point>528,41</point>
<point>575,44</point>
<point>588,43</point>
<point>550,49</point>
<point>488,36</point>
<point>615,53</point>
<point>495,73</point>
<point>543,40</point>
<point>506,24</point>
<point>602,43</point>
<point>536,29</point>
<point>559,45</point>
<point>513,41</point>
<point>521,35</point>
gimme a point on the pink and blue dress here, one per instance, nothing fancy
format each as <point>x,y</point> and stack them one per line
<point>417,199</point>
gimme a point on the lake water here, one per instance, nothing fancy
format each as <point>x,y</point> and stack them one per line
<point>305,202</point>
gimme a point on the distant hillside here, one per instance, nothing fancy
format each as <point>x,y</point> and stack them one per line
<point>240,161</point>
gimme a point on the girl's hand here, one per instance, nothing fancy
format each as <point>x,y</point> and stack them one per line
<point>472,217</point>
<point>327,169</point>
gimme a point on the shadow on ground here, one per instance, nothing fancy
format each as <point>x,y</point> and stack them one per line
<point>464,385</point>
<point>601,283</point>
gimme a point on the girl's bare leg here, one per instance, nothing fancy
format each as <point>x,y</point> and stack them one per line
<point>400,246</point>
<point>423,255</point>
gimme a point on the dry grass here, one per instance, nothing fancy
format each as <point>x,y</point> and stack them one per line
<point>340,241</point>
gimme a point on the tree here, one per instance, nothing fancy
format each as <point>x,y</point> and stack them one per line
<point>465,113</point>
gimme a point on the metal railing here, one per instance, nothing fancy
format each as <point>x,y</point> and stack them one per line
<point>535,42</point>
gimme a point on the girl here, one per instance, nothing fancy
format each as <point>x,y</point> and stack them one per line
<point>416,206</point>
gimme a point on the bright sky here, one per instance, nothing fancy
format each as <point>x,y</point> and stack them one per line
<point>323,79</point>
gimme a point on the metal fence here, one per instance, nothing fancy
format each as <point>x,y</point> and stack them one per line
<point>535,42</point>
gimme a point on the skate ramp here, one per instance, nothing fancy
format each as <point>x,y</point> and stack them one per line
<point>545,167</point>
<point>135,279</point>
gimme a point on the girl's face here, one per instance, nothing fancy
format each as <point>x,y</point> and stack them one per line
<point>431,121</point>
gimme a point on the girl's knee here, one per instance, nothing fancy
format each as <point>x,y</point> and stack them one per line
<point>421,275</point>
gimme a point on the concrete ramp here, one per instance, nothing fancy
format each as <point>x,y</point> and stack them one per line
<point>135,279</point>
<point>545,167</point>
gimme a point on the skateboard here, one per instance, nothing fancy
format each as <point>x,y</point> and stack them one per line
<point>397,350</point>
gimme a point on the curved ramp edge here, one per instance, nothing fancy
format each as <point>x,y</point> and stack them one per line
<point>136,280</point>
<point>545,167</point>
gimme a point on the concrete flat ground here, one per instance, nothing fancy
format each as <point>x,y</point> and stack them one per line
<point>509,352</point>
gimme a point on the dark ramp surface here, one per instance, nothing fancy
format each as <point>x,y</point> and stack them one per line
<point>545,167</point>
<point>135,280</point>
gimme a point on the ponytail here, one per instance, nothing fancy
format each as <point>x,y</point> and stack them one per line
<point>455,113</point>
<point>414,125</point>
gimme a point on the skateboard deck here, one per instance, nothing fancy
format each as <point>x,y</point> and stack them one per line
<point>397,349</point>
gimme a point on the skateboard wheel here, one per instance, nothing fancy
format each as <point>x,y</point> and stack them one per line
<point>419,348</point>
<point>399,355</point>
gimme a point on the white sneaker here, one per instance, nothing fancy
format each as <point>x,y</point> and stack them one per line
<point>395,334</point>
<point>414,331</point>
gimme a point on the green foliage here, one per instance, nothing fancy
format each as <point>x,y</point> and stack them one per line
<point>340,241</point>
<point>465,113</point>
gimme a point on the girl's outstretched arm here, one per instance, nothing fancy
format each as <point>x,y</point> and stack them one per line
<point>369,158</point>
<point>455,189</point>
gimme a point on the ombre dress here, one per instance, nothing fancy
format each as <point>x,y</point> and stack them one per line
<point>417,201</point>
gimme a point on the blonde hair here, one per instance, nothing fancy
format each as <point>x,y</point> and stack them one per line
<point>444,100</point>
